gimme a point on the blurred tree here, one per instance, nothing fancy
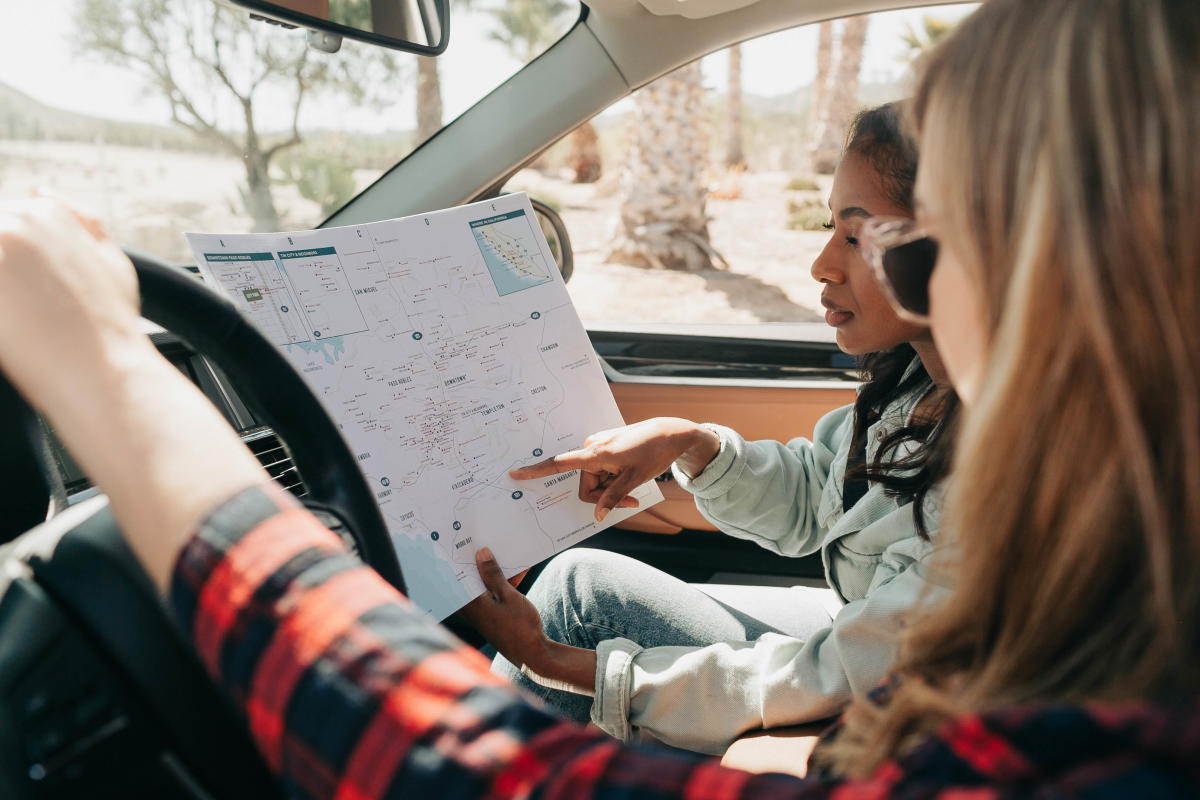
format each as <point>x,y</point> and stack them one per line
<point>822,80</point>
<point>664,216</point>
<point>527,28</point>
<point>584,157</point>
<point>735,156</point>
<point>835,90</point>
<point>202,58</point>
<point>429,98</point>
<point>319,176</point>
<point>357,13</point>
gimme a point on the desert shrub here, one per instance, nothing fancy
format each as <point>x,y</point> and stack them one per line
<point>803,185</point>
<point>808,215</point>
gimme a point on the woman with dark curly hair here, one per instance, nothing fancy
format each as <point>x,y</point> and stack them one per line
<point>628,647</point>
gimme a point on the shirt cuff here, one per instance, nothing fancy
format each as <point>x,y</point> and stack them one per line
<point>614,676</point>
<point>224,527</point>
<point>722,472</point>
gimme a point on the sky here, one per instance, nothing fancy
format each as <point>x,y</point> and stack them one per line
<point>39,60</point>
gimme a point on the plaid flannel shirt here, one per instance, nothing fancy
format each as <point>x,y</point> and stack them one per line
<point>351,692</point>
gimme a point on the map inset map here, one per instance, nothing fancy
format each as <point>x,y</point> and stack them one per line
<point>511,251</point>
<point>447,358</point>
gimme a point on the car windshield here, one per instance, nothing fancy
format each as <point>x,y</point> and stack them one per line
<point>164,116</point>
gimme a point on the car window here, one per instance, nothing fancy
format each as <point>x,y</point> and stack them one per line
<point>164,116</point>
<point>701,199</point>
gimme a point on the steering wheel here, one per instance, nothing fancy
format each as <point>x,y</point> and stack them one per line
<point>100,692</point>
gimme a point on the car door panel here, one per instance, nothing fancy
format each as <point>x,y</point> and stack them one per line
<point>767,388</point>
<point>756,412</point>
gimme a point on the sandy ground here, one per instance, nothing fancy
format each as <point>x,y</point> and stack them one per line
<point>149,197</point>
<point>767,279</point>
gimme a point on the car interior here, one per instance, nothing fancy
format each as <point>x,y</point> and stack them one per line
<point>101,695</point>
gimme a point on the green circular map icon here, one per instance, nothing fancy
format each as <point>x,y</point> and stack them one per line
<point>537,451</point>
<point>434,536</point>
<point>457,525</point>
<point>518,494</point>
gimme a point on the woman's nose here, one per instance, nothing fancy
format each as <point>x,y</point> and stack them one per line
<point>826,268</point>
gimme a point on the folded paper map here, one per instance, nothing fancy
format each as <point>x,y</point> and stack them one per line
<point>446,348</point>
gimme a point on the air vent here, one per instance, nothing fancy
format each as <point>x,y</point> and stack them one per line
<point>275,458</point>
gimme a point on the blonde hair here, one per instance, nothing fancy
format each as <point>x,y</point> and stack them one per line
<point>1063,136</point>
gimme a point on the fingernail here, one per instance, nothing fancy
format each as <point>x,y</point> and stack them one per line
<point>601,513</point>
<point>485,553</point>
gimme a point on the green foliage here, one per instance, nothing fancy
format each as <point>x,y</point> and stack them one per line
<point>808,215</point>
<point>549,199</point>
<point>323,178</point>
<point>527,27</point>
<point>932,31</point>
<point>375,151</point>
<point>803,185</point>
<point>355,13</point>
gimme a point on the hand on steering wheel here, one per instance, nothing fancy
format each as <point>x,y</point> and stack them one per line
<point>70,336</point>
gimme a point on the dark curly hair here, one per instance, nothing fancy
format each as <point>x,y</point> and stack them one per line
<point>878,135</point>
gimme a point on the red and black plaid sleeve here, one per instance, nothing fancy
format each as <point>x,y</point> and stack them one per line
<point>350,692</point>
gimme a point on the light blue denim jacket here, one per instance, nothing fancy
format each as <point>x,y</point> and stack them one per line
<point>787,498</point>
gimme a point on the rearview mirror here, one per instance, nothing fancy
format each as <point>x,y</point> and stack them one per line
<point>415,26</point>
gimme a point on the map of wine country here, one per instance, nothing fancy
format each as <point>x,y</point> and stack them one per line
<point>447,349</point>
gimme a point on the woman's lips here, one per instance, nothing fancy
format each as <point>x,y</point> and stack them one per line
<point>835,318</point>
<point>835,315</point>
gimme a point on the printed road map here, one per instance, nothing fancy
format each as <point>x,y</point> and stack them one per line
<point>447,349</point>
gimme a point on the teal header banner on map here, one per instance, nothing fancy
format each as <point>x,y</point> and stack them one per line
<point>238,257</point>
<point>315,251</point>
<point>492,220</point>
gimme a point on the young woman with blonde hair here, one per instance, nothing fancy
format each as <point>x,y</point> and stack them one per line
<point>1057,253</point>
<point>1065,198</point>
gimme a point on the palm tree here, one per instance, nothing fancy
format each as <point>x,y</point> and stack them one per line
<point>835,91</point>
<point>429,98</point>
<point>735,156</point>
<point>820,87</point>
<point>664,219</point>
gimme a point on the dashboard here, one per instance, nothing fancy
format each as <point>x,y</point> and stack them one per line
<point>270,450</point>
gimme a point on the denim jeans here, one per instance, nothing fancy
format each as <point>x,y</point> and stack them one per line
<point>587,596</point>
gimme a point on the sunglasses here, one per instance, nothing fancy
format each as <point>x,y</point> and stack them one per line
<point>902,257</point>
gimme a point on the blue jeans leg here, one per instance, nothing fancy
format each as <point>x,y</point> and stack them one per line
<point>586,596</point>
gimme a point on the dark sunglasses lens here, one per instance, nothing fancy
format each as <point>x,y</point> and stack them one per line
<point>908,268</point>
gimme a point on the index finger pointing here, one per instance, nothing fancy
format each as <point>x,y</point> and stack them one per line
<point>565,462</point>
